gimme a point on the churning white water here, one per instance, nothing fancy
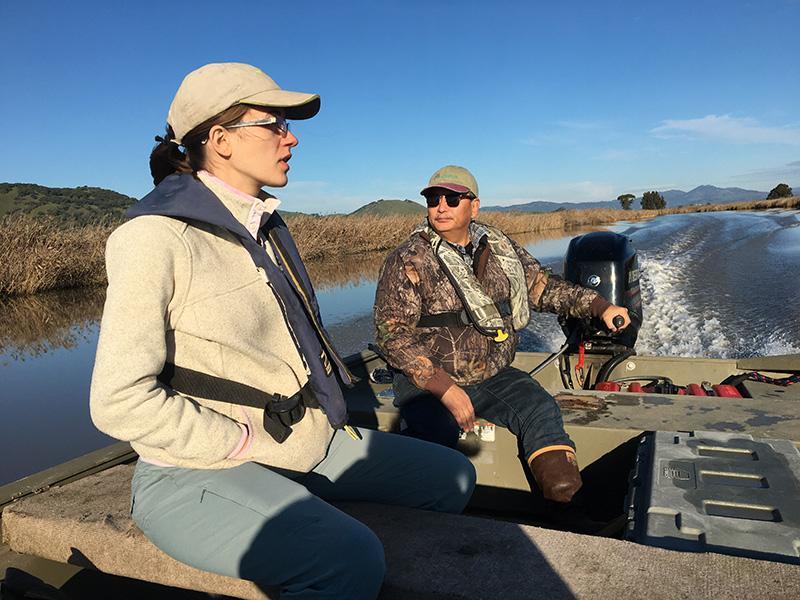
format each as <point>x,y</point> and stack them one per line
<point>721,285</point>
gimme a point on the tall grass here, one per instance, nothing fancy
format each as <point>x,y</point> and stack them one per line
<point>791,202</point>
<point>40,254</point>
<point>337,235</point>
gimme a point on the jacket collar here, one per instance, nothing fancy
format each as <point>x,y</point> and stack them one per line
<point>183,196</point>
<point>251,211</point>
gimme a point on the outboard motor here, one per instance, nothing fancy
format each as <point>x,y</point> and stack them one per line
<point>605,262</point>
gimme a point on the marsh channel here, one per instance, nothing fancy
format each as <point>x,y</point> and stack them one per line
<point>719,284</point>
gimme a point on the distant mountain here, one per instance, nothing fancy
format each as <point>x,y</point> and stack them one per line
<point>77,205</point>
<point>708,193</point>
<point>391,207</point>
<point>700,195</point>
<point>544,206</point>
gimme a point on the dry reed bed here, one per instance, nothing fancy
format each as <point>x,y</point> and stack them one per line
<point>336,235</point>
<point>791,202</point>
<point>42,254</point>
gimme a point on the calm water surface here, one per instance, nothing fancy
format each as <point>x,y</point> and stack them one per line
<point>714,284</point>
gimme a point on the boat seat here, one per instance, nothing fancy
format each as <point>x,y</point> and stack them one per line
<point>429,555</point>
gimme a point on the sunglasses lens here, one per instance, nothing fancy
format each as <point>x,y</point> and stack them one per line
<point>452,200</point>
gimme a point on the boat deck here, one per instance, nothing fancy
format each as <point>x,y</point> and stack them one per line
<point>772,413</point>
<point>429,555</point>
<point>77,513</point>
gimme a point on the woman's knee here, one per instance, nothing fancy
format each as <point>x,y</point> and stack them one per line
<point>355,562</point>
<point>465,480</point>
<point>456,481</point>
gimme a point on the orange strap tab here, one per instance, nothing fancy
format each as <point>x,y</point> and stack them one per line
<point>541,451</point>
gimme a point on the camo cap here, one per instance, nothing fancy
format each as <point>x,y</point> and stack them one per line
<point>215,87</point>
<point>454,178</point>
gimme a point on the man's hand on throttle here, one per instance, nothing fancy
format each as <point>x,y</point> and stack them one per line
<point>614,311</point>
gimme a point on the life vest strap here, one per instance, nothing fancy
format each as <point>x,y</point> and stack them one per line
<point>280,412</point>
<point>458,319</point>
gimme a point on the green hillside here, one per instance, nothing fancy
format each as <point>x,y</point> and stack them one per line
<point>390,207</point>
<point>83,205</point>
<point>75,205</point>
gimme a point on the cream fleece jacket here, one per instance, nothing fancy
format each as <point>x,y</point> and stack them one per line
<point>191,295</point>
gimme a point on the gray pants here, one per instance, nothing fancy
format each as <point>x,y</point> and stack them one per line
<point>276,528</point>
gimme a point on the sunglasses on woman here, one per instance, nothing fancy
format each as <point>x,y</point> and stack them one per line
<point>278,124</point>
<point>453,199</point>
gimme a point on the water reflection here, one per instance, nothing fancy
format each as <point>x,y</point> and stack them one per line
<point>48,342</point>
<point>47,348</point>
<point>346,270</point>
<point>550,246</point>
<point>33,325</point>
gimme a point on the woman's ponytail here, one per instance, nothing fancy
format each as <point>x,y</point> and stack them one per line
<point>167,158</point>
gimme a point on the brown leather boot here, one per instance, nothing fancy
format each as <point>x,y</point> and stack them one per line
<point>556,471</point>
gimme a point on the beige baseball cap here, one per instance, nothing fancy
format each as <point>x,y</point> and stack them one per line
<point>454,178</point>
<point>215,87</point>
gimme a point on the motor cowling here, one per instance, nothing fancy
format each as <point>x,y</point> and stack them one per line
<point>607,263</point>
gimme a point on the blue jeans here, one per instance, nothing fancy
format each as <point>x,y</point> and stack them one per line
<point>512,399</point>
<point>276,528</point>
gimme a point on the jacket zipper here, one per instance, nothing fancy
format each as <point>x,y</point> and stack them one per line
<point>285,319</point>
<point>310,311</point>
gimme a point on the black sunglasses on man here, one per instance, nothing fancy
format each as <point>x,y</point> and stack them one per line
<point>453,199</point>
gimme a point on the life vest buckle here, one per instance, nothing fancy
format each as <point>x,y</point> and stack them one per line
<point>501,336</point>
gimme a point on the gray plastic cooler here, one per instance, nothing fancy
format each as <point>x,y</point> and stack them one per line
<point>717,492</point>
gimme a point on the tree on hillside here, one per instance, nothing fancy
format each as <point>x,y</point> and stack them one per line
<point>653,201</point>
<point>780,191</point>
<point>626,200</point>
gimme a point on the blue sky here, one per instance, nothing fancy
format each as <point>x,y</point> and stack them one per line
<point>570,101</point>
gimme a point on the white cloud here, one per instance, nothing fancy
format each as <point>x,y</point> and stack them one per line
<point>575,191</point>
<point>728,129</point>
<point>768,176</point>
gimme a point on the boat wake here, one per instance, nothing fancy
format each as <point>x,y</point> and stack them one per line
<point>711,287</point>
<point>672,326</point>
<point>706,287</point>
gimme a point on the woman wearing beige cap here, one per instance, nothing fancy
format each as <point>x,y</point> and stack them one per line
<point>214,363</point>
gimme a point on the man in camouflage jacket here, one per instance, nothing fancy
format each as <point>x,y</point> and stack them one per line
<point>450,370</point>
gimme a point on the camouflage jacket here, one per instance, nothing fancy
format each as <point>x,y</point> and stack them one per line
<point>412,284</point>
